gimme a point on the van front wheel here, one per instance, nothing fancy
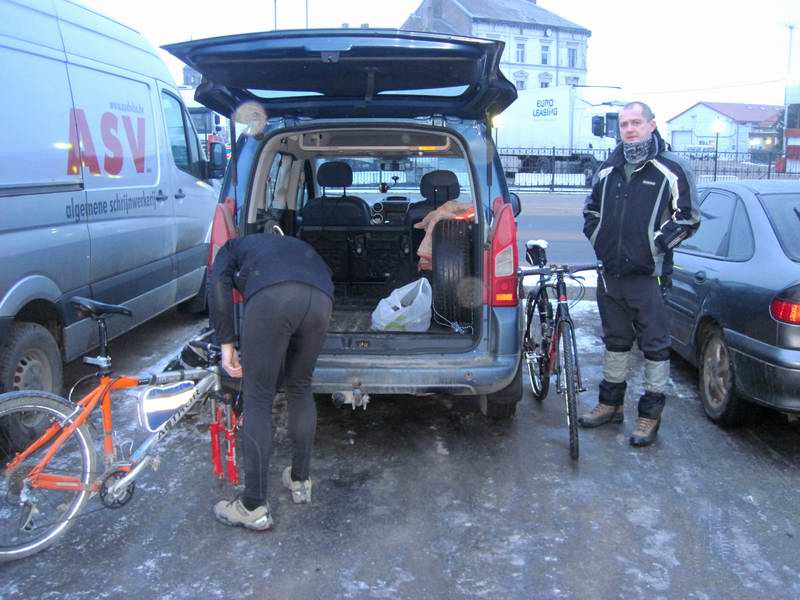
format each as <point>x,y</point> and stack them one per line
<point>30,360</point>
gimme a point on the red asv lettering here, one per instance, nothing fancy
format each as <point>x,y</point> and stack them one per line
<point>114,157</point>
<point>108,129</point>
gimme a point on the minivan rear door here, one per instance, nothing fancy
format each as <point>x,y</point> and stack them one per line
<point>350,73</point>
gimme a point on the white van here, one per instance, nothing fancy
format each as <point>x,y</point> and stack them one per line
<point>104,188</point>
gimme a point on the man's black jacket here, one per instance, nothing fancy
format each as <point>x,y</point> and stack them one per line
<point>254,262</point>
<point>634,225</point>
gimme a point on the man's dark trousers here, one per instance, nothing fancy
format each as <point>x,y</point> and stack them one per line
<point>283,322</point>
<point>632,309</point>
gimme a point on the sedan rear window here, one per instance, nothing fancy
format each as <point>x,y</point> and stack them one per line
<point>783,211</point>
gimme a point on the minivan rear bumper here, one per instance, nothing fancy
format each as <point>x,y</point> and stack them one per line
<point>459,375</point>
<point>766,374</point>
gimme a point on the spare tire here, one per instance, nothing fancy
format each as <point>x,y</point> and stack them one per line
<point>452,270</point>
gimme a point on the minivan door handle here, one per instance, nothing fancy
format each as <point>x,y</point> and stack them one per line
<point>161,196</point>
<point>179,194</point>
<point>700,276</point>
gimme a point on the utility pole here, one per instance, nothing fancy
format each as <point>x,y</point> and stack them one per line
<point>306,14</point>
<point>791,27</point>
<point>275,14</point>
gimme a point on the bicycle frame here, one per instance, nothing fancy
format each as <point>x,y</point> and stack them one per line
<point>101,394</point>
<point>561,315</point>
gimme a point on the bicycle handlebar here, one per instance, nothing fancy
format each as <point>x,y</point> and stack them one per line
<point>566,269</point>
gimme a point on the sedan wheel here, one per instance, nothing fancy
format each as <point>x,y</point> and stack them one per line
<point>718,382</point>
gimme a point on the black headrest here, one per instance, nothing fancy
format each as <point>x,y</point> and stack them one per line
<point>439,186</point>
<point>335,174</point>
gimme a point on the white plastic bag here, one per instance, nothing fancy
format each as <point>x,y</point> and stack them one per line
<point>407,308</point>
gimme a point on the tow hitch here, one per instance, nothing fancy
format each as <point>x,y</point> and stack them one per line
<point>355,398</point>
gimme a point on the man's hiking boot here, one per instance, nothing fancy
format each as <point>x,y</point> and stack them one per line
<point>602,414</point>
<point>301,490</point>
<point>645,432</point>
<point>233,512</point>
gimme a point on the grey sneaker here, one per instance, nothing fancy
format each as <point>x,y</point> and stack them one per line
<point>233,512</point>
<point>602,414</point>
<point>301,490</point>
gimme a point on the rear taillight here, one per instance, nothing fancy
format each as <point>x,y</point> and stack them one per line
<point>503,261</point>
<point>222,230</point>
<point>786,306</point>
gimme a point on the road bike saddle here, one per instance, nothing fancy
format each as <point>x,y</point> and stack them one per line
<point>95,309</point>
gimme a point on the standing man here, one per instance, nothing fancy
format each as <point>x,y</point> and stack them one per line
<point>288,294</point>
<point>643,204</point>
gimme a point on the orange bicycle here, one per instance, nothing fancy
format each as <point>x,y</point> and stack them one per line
<point>47,452</point>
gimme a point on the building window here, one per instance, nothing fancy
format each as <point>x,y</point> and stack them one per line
<point>572,58</point>
<point>520,79</point>
<point>545,79</point>
<point>573,81</point>
<point>545,55</point>
<point>544,84</point>
<point>520,52</point>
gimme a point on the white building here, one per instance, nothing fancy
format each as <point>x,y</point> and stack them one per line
<point>742,127</point>
<point>542,49</point>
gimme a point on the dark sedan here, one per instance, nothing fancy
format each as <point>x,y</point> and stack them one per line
<point>735,299</point>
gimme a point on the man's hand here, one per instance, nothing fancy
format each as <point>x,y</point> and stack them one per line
<point>230,361</point>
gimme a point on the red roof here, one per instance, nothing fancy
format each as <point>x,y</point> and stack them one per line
<point>764,114</point>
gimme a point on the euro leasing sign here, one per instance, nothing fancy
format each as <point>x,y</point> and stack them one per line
<point>545,109</point>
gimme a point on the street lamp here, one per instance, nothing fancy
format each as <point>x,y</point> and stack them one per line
<point>717,127</point>
<point>497,123</point>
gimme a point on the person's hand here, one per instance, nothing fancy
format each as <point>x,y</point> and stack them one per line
<point>230,361</point>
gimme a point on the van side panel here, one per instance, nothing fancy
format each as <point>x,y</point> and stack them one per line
<point>44,238</point>
<point>93,36</point>
<point>130,208</point>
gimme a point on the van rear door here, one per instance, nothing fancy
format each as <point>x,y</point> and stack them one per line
<point>350,73</point>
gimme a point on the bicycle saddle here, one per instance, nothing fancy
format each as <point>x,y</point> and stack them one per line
<point>95,309</point>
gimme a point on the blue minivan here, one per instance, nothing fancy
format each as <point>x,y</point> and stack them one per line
<point>349,140</point>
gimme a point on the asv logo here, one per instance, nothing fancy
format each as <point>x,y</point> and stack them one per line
<point>114,157</point>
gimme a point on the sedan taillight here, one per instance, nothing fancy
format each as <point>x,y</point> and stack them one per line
<point>786,306</point>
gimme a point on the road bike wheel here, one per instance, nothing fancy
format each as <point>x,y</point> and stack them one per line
<point>33,519</point>
<point>569,382</point>
<point>535,345</point>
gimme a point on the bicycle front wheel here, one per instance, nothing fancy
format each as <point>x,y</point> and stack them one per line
<point>33,516</point>
<point>569,382</point>
<point>536,344</point>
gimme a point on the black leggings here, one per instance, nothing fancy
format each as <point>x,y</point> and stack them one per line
<point>284,326</point>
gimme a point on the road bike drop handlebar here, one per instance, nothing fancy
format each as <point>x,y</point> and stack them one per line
<point>554,269</point>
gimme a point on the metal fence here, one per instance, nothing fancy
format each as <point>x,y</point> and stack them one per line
<point>568,168</point>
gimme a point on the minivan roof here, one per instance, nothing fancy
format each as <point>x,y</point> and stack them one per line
<point>350,73</point>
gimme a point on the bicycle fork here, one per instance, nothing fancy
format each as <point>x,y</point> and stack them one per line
<point>223,426</point>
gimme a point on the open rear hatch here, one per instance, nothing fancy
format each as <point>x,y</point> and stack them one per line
<point>350,73</point>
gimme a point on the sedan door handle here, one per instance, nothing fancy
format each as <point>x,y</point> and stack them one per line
<point>700,276</point>
<point>179,194</point>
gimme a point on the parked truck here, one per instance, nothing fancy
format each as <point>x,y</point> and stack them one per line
<point>210,126</point>
<point>566,129</point>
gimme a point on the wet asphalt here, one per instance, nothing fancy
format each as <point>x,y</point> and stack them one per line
<point>425,498</point>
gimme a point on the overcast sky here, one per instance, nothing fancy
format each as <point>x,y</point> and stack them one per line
<point>668,53</point>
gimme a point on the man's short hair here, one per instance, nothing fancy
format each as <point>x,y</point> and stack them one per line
<point>647,112</point>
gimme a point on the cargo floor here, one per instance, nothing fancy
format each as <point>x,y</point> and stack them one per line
<point>352,320</point>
